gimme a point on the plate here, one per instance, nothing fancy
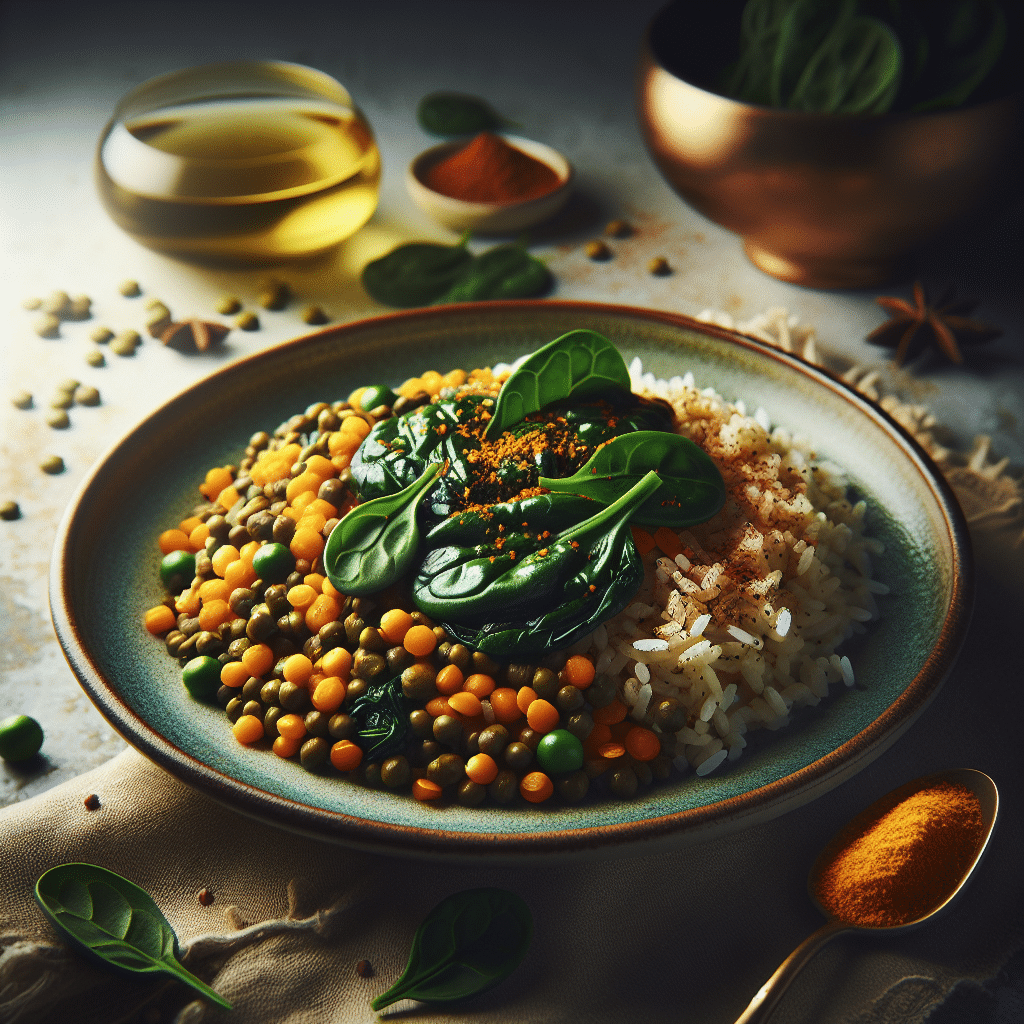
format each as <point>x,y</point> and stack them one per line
<point>104,576</point>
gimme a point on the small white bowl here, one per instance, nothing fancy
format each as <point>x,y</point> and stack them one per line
<point>489,218</point>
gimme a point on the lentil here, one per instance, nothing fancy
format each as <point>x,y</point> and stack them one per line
<point>247,321</point>
<point>598,250</point>
<point>22,400</point>
<point>618,229</point>
<point>9,510</point>
<point>96,358</point>
<point>129,289</point>
<point>52,464</point>
<point>228,304</point>
<point>659,267</point>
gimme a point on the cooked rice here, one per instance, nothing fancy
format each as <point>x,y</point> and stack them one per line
<point>743,623</point>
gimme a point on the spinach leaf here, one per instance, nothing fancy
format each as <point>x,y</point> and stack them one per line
<point>382,717</point>
<point>453,113</point>
<point>502,600</point>
<point>466,945</point>
<point>806,26</point>
<point>376,543</point>
<point>504,272</point>
<point>113,920</point>
<point>691,489</point>
<point>580,364</point>
<point>416,273</point>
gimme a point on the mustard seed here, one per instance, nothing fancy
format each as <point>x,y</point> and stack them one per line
<point>274,295</point>
<point>52,464</point>
<point>228,304</point>
<point>95,358</point>
<point>58,419</point>
<point>618,229</point>
<point>205,896</point>
<point>129,289</point>
<point>79,308</point>
<point>598,250</point>
<point>315,315</point>
<point>659,266</point>
<point>9,510</point>
<point>86,394</point>
<point>101,335</point>
<point>125,343</point>
<point>62,400</point>
<point>248,321</point>
<point>22,400</point>
<point>47,326</point>
<point>56,304</point>
<point>159,319</point>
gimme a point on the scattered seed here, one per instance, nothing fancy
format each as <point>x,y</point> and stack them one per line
<point>129,288</point>
<point>364,969</point>
<point>86,394</point>
<point>95,358</point>
<point>598,250</point>
<point>58,419</point>
<point>274,295</point>
<point>22,400</point>
<point>659,266</point>
<point>205,896</point>
<point>92,802</point>
<point>315,315</point>
<point>152,302</point>
<point>62,400</point>
<point>47,326</point>
<point>101,335</point>
<point>56,303</point>
<point>228,304</point>
<point>79,308</point>
<point>52,464</point>
<point>32,303</point>
<point>9,510</point>
<point>247,321</point>
<point>125,343</point>
<point>618,229</point>
<point>159,319</point>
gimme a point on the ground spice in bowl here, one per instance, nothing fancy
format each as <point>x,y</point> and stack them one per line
<point>899,864</point>
<point>490,170</point>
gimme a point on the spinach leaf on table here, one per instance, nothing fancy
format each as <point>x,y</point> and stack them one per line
<point>455,113</point>
<point>416,273</point>
<point>115,921</point>
<point>504,272</point>
<point>466,945</point>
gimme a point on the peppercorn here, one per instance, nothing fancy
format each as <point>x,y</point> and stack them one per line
<point>92,802</point>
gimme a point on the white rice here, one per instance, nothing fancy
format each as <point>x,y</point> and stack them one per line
<point>742,625</point>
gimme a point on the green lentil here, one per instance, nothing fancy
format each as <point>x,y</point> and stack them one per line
<point>659,267</point>
<point>315,315</point>
<point>94,357</point>
<point>56,304</point>
<point>247,321</point>
<point>86,394</point>
<point>10,510</point>
<point>101,335</point>
<point>274,295</point>
<point>618,229</point>
<point>598,250</point>
<point>22,400</point>
<point>58,419</point>
<point>47,326</point>
<point>31,304</point>
<point>228,304</point>
<point>129,289</point>
<point>126,342</point>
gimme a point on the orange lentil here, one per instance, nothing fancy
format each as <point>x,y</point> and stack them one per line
<point>188,602</point>
<point>323,610</point>
<point>424,789</point>
<point>599,735</point>
<point>355,425</point>
<point>579,671</point>
<point>258,659</point>
<point>611,750</point>
<point>329,694</point>
<point>214,590</point>
<point>213,613</point>
<point>240,573</point>
<point>248,729</point>
<point>327,587</point>
<point>482,769</point>
<point>216,480</point>
<point>291,727</point>
<point>438,706</point>
<point>525,697</point>
<point>307,543</point>
<point>198,537</point>
<point>337,662</point>
<point>173,540</point>
<point>297,669</point>
<point>542,715</point>
<point>319,465</point>
<point>432,382</point>
<point>536,787</point>
<point>503,703</point>
<point>301,597</point>
<point>610,713</point>
<point>394,624</point>
<point>642,744</point>
<point>160,619</point>
<point>479,684</point>
<point>188,525</point>
<point>419,641</point>
<point>302,501</point>
<point>449,680</point>
<point>246,551</point>
<point>304,482</point>
<point>223,557</point>
<point>234,674</point>
<point>285,747</point>
<point>342,444</point>
<point>319,507</point>
<point>346,756</point>
<point>314,580</point>
<point>465,703</point>
<point>228,497</point>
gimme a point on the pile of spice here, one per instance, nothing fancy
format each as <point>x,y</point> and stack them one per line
<point>905,860</point>
<point>489,170</point>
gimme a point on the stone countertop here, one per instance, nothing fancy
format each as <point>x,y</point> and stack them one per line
<point>566,78</point>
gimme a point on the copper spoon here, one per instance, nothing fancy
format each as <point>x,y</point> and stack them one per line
<point>771,991</point>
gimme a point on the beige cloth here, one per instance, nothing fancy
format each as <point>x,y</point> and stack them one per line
<point>685,937</point>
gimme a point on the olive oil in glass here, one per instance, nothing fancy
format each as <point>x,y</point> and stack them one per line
<point>248,163</point>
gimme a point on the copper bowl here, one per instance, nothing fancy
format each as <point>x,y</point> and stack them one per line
<point>828,201</point>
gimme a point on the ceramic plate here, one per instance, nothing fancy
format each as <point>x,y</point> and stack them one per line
<point>105,575</point>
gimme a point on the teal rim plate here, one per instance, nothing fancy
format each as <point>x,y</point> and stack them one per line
<point>103,579</point>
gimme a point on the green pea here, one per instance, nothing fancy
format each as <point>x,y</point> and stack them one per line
<point>20,738</point>
<point>201,677</point>
<point>273,562</point>
<point>560,751</point>
<point>178,566</point>
<point>377,394</point>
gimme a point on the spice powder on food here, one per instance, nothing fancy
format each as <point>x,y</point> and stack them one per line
<point>904,861</point>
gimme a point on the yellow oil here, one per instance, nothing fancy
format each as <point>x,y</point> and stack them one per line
<point>244,180</point>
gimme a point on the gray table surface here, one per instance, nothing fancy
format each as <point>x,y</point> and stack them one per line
<point>562,70</point>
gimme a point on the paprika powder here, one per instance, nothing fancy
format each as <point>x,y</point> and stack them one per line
<point>490,170</point>
<point>902,862</point>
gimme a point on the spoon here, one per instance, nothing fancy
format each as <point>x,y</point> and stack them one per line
<point>978,783</point>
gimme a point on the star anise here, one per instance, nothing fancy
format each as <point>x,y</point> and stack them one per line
<point>193,335</point>
<point>942,324</point>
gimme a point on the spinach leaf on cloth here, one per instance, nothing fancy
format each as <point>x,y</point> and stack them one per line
<point>543,595</point>
<point>115,921</point>
<point>466,945</point>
